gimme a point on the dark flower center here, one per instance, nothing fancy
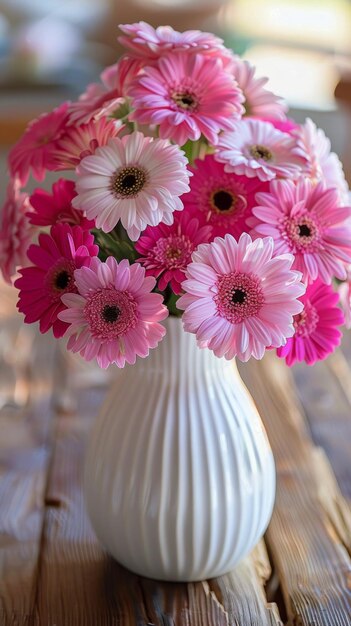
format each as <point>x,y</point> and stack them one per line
<point>239,296</point>
<point>304,230</point>
<point>128,181</point>
<point>223,201</point>
<point>110,313</point>
<point>172,254</point>
<point>62,280</point>
<point>185,100</point>
<point>260,152</point>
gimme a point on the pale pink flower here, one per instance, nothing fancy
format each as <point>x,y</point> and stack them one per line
<point>322,164</point>
<point>15,230</point>
<point>256,148</point>
<point>119,75</point>
<point>186,95</point>
<point>35,150</point>
<point>114,318</point>
<point>78,142</point>
<point>136,179</point>
<point>259,102</point>
<point>239,298</point>
<point>149,43</point>
<point>106,98</point>
<point>166,250</point>
<point>223,200</point>
<point>306,220</point>
<point>97,101</point>
<point>317,327</point>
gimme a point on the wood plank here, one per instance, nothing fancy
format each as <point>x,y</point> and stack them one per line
<point>312,563</point>
<point>80,585</point>
<point>322,391</point>
<point>24,424</point>
<point>337,508</point>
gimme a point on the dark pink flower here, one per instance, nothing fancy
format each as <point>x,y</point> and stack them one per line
<point>166,250</point>
<point>54,260</point>
<point>221,199</point>
<point>288,125</point>
<point>15,230</point>
<point>316,328</point>
<point>35,150</point>
<point>49,209</point>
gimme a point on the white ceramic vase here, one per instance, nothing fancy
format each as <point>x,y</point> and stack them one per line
<point>179,475</point>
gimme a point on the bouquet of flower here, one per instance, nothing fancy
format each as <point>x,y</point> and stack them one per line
<point>193,194</point>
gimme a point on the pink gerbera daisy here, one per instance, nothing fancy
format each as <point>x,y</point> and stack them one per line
<point>15,230</point>
<point>322,164</point>
<point>119,75</point>
<point>186,95</point>
<point>306,220</point>
<point>106,98</point>
<point>166,250</point>
<point>256,148</point>
<point>316,328</point>
<point>239,298</point>
<point>34,151</point>
<point>98,100</point>
<point>259,102</point>
<point>78,142</point>
<point>136,180</point>
<point>48,209</point>
<point>221,199</point>
<point>149,43</point>
<point>52,274</point>
<point>114,318</point>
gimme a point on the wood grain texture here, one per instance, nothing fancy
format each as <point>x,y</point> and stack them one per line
<point>53,572</point>
<point>322,391</point>
<point>80,585</point>
<point>25,423</point>
<point>314,567</point>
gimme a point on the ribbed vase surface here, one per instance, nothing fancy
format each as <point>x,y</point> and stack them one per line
<point>179,474</point>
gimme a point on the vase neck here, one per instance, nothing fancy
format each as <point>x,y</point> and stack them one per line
<point>179,352</point>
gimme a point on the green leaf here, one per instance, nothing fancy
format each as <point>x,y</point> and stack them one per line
<point>110,244</point>
<point>171,304</point>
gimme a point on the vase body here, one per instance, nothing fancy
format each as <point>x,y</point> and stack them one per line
<point>179,474</point>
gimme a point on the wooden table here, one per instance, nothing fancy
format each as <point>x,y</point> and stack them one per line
<point>53,572</point>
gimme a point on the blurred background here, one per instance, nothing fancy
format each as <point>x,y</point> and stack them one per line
<point>50,50</point>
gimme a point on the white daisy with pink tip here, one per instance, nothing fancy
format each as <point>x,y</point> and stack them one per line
<point>254,148</point>
<point>136,180</point>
